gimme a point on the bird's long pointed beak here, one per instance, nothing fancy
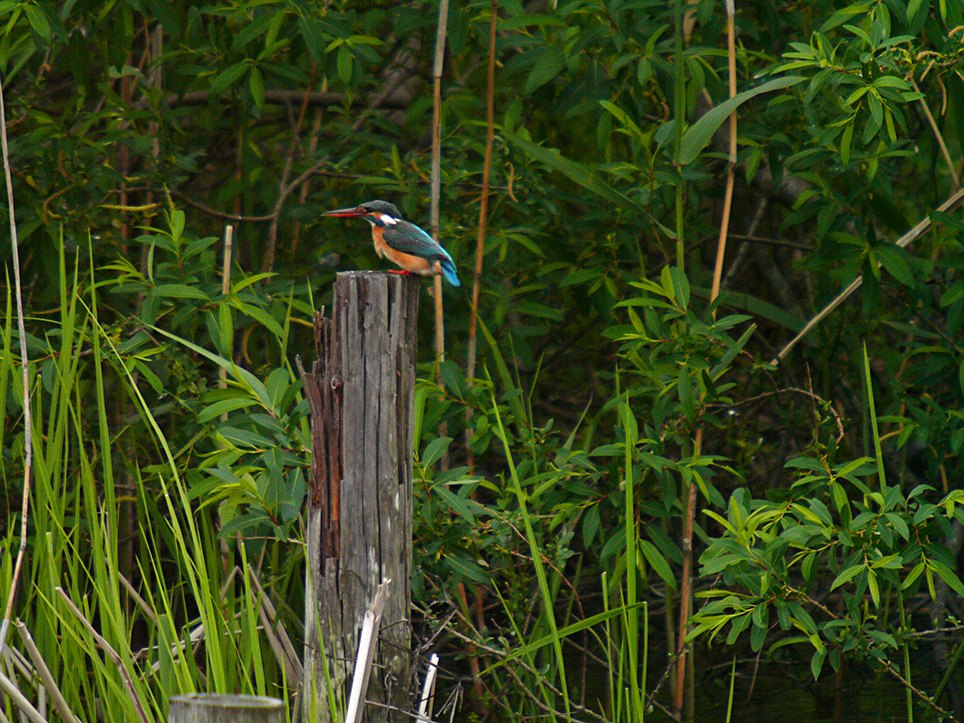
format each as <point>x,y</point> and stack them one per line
<point>354,211</point>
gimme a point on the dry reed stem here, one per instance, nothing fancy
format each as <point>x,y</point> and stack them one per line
<point>43,672</point>
<point>111,653</point>
<point>24,364</point>
<point>945,154</point>
<point>19,700</point>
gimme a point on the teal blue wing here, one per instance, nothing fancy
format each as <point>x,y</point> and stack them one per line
<point>410,239</point>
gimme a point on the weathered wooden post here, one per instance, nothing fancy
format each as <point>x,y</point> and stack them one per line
<point>360,391</point>
<point>211,708</point>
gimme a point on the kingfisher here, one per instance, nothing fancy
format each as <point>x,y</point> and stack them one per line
<point>403,243</point>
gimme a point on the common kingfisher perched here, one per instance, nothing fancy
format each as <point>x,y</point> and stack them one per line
<point>404,243</point>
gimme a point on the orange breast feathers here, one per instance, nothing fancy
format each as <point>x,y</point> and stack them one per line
<point>415,264</point>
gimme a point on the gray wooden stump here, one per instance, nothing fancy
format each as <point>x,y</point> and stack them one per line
<point>360,391</point>
<point>210,708</point>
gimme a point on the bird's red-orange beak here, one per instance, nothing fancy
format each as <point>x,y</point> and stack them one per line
<point>351,212</point>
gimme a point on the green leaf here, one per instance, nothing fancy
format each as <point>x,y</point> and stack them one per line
<point>434,451</point>
<point>467,568</point>
<point>758,635</point>
<point>656,560</point>
<point>524,20</point>
<point>846,140</point>
<point>257,87</point>
<point>244,378</point>
<point>224,406</point>
<point>913,7</point>
<point>547,67</point>
<point>180,291</point>
<point>894,260</point>
<point>38,21</point>
<point>952,295</point>
<point>687,394</point>
<point>948,576</point>
<point>914,574</point>
<point>259,315</point>
<point>846,575</point>
<point>248,281</point>
<point>698,136</point>
<point>344,63</point>
<point>244,438</point>
<point>228,77</point>
<point>816,662</point>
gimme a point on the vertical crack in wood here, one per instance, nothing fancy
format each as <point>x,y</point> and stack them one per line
<point>360,526</point>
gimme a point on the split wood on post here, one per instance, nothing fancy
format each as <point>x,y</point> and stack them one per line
<point>360,391</point>
<point>213,708</point>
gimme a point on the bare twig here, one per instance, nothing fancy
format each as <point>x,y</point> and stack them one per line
<point>225,288</point>
<point>888,666</point>
<point>275,632</point>
<point>272,243</point>
<point>806,393</point>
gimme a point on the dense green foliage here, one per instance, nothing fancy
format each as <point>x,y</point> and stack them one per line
<point>607,384</point>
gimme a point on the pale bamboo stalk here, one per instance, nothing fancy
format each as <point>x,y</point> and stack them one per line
<point>436,185</point>
<point>225,288</point>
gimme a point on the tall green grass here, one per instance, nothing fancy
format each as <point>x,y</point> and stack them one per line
<point>531,658</point>
<point>188,619</point>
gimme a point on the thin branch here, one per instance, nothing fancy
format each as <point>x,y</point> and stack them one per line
<point>945,715</point>
<point>272,243</point>
<point>796,390</point>
<point>484,210</point>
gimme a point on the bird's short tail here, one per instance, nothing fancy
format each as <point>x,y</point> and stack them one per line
<point>449,272</point>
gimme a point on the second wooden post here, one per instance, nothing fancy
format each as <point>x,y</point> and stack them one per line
<point>360,391</point>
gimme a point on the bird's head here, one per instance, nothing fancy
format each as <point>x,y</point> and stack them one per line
<point>377,213</point>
